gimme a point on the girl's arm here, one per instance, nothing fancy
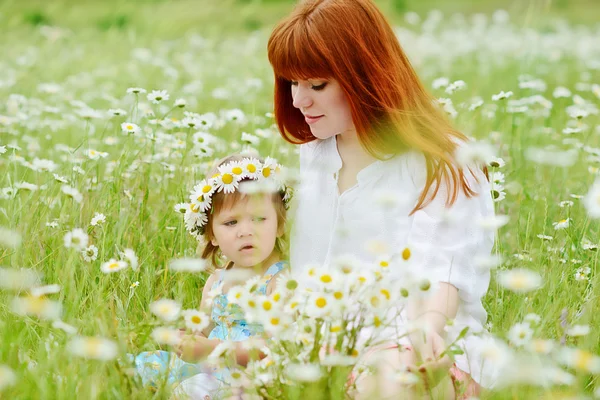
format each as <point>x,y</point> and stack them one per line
<point>205,305</point>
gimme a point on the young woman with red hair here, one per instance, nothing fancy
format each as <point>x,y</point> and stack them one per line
<point>369,135</point>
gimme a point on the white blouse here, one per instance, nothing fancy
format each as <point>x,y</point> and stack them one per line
<point>444,242</point>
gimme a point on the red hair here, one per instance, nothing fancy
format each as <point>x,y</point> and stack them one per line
<point>352,42</point>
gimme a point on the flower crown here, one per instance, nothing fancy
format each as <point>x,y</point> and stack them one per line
<point>228,180</point>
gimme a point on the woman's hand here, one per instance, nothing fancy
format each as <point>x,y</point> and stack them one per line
<point>424,358</point>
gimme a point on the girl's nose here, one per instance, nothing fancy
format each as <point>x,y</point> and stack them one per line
<point>301,98</point>
<point>245,228</point>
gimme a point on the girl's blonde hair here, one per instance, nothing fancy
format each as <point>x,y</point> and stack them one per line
<point>224,201</point>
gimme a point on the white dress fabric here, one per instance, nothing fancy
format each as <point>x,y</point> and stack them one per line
<point>444,242</point>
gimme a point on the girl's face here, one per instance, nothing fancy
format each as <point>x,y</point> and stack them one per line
<point>246,232</point>
<point>324,105</point>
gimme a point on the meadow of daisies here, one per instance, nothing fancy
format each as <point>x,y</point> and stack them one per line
<point>104,134</point>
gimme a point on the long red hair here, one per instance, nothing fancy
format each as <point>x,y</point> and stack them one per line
<point>352,42</point>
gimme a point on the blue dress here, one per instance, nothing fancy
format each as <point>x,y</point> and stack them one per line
<point>157,367</point>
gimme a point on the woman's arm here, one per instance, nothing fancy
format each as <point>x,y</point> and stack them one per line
<point>435,310</point>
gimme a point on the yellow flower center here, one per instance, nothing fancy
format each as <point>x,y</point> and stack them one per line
<point>583,359</point>
<point>251,168</point>
<point>206,188</point>
<point>326,278</point>
<point>338,295</point>
<point>113,265</point>
<point>237,170</point>
<point>196,319</point>
<point>377,322</point>
<point>266,172</point>
<point>251,303</point>
<point>406,254</point>
<point>274,321</point>
<point>227,178</point>
<point>386,293</point>
<point>129,127</point>
<point>267,305</point>
<point>375,301</point>
<point>335,328</point>
<point>321,302</point>
<point>276,297</point>
<point>384,264</point>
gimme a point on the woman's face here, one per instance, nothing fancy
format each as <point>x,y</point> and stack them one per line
<point>324,105</point>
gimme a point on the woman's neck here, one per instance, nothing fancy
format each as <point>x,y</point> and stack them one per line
<point>353,154</point>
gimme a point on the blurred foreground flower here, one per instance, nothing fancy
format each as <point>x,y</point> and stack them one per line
<point>96,348</point>
<point>592,200</point>
<point>520,280</point>
<point>9,238</point>
<point>40,307</point>
<point>168,336</point>
<point>7,377</point>
<point>166,309</point>
<point>188,265</point>
<point>18,279</point>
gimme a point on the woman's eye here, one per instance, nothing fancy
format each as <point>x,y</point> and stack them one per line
<point>230,223</point>
<point>294,83</point>
<point>319,87</point>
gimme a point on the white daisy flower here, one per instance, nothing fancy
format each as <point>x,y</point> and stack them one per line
<point>44,290</point>
<point>113,265</point>
<point>181,103</point>
<point>166,309</point>
<point>90,253</point>
<point>96,348</point>
<point>117,112</point>
<point>195,320</point>
<point>520,280</point>
<point>579,359</point>
<point>303,372</point>
<point>188,265</point>
<point>98,219</point>
<point>502,95</point>
<point>72,192</point>
<point>250,139</point>
<point>226,182</point>
<point>128,255</point>
<point>7,377</point>
<point>130,128</point>
<point>562,224</point>
<point>252,167</point>
<point>156,96</point>
<point>592,200</point>
<point>269,167</point>
<point>18,279</point>
<point>181,208</point>
<point>61,179</point>
<point>40,307</point>
<point>168,336</point>
<point>578,330</point>
<point>9,238</point>
<point>76,239</point>
<point>136,90</point>
<point>70,329</point>
<point>201,195</point>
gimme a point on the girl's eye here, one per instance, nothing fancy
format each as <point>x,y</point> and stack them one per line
<point>230,223</point>
<point>294,83</point>
<point>259,219</point>
<point>319,87</point>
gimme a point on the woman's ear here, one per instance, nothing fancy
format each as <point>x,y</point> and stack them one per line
<point>213,241</point>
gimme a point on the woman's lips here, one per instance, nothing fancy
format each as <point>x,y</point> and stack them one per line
<point>311,120</point>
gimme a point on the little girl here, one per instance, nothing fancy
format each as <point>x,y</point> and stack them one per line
<point>235,215</point>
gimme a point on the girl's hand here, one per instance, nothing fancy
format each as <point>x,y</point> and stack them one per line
<point>194,348</point>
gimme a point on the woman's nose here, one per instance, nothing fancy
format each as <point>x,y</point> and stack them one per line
<point>301,98</point>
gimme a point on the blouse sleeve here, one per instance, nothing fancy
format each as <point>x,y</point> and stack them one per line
<point>446,241</point>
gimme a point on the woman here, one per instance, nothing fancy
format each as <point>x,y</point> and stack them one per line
<point>370,135</point>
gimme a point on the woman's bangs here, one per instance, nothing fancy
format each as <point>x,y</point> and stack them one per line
<point>294,56</point>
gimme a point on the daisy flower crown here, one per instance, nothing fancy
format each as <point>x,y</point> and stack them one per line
<point>267,175</point>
